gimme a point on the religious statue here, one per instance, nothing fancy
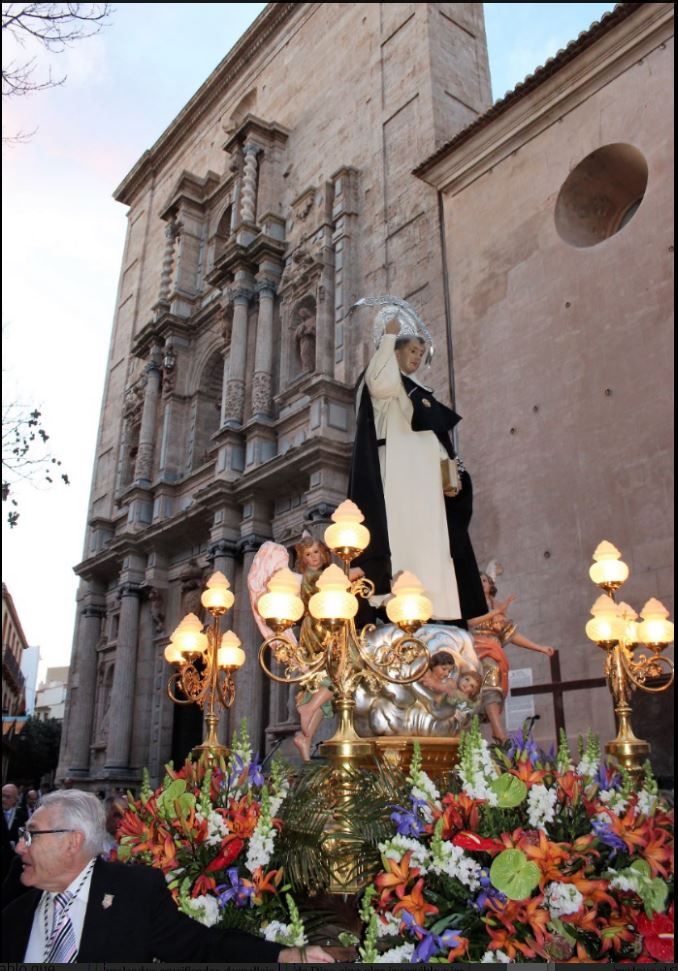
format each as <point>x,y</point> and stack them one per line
<point>304,335</point>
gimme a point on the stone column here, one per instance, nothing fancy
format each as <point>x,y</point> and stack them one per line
<point>222,556</point>
<point>124,676</point>
<point>252,685</point>
<point>143,469</point>
<point>82,714</point>
<point>171,233</point>
<point>248,198</point>
<point>263,357</point>
<point>234,408</point>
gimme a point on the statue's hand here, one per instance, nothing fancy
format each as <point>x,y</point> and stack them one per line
<point>392,327</point>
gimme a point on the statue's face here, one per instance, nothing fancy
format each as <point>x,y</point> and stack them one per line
<point>468,686</point>
<point>410,356</point>
<point>442,671</point>
<point>313,557</point>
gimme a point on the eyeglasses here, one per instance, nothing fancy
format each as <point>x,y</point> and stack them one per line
<point>28,835</point>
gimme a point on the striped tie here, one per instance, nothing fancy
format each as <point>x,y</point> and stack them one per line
<point>62,946</point>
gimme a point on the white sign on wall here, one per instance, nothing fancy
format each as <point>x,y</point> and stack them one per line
<point>516,710</point>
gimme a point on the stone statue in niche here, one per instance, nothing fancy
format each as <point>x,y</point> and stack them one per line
<point>191,589</point>
<point>156,600</point>
<point>304,335</point>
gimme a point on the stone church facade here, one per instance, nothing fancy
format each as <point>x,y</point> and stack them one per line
<point>283,192</point>
<point>279,195</point>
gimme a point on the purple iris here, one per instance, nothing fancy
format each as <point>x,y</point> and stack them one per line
<point>238,766</point>
<point>407,820</point>
<point>522,746</point>
<point>604,833</point>
<point>238,892</point>
<point>254,773</point>
<point>430,944</point>
<point>489,896</point>
<point>607,778</point>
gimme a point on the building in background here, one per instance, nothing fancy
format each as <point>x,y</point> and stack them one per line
<point>30,662</point>
<point>14,644</point>
<point>50,698</point>
<point>283,192</point>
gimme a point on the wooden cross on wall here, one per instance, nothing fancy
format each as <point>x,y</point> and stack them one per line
<point>557,687</point>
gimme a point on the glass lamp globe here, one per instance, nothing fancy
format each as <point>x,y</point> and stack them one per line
<point>230,653</point>
<point>218,595</point>
<point>655,628</point>
<point>188,636</point>
<point>282,602</point>
<point>409,604</point>
<point>347,531</point>
<point>607,625</point>
<point>630,619</point>
<point>333,601</point>
<point>608,570</point>
<point>173,655</point>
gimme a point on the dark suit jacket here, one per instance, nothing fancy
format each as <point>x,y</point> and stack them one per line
<point>141,923</point>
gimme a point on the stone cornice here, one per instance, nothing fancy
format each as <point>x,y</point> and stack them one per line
<point>224,76</point>
<point>484,146</point>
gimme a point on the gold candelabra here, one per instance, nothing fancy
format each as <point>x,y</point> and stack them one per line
<point>206,661</point>
<point>329,642</point>
<point>615,628</point>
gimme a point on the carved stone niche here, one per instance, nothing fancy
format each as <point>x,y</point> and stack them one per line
<point>191,588</point>
<point>309,211</point>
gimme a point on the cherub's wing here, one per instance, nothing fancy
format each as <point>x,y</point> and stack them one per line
<point>269,558</point>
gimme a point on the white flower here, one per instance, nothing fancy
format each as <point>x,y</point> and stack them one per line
<point>613,800</point>
<point>204,909</point>
<point>647,803</point>
<point>281,933</point>
<point>626,882</point>
<point>495,957</point>
<point>396,848</point>
<point>454,862</point>
<point>541,806</point>
<point>397,955</point>
<point>388,926</point>
<point>562,899</point>
<point>587,767</point>
<point>216,827</point>
<point>260,848</point>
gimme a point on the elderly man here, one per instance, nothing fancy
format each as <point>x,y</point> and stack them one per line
<point>84,909</point>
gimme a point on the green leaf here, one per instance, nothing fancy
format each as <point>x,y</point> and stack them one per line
<point>643,868</point>
<point>514,875</point>
<point>509,790</point>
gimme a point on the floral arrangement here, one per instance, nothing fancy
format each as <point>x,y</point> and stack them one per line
<point>212,830</point>
<point>527,857</point>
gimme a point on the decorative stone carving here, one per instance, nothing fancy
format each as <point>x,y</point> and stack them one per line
<point>249,184</point>
<point>235,400</point>
<point>134,401</point>
<point>191,588</point>
<point>156,600</point>
<point>261,393</point>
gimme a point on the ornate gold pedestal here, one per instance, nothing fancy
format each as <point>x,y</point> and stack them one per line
<point>438,755</point>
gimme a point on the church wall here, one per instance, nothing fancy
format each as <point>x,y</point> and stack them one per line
<point>563,355</point>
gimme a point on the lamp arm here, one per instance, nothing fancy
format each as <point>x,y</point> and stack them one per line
<point>290,654</point>
<point>226,687</point>
<point>173,682</point>
<point>638,671</point>
<point>405,650</point>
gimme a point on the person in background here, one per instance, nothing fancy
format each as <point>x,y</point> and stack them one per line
<point>115,808</point>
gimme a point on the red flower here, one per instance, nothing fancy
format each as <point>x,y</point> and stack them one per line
<point>469,841</point>
<point>657,933</point>
<point>230,849</point>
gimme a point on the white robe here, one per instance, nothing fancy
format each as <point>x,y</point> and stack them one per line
<point>412,481</point>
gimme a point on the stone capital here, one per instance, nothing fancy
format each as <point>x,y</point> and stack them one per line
<point>93,610</point>
<point>129,590</point>
<point>223,547</point>
<point>266,288</point>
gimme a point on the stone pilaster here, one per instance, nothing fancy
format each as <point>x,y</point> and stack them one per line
<point>263,358</point>
<point>234,405</point>
<point>143,470</point>
<point>124,677</point>
<point>248,198</point>
<point>81,715</point>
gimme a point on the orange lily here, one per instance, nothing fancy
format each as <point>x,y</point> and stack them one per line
<point>203,885</point>
<point>265,883</point>
<point>548,856</point>
<point>460,812</point>
<point>658,854</point>
<point>593,891</point>
<point>396,877</point>
<point>242,817</point>
<point>414,903</point>
<point>570,785</point>
<point>503,939</point>
<point>529,775</point>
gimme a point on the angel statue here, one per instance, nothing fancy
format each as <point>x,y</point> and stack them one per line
<point>405,476</point>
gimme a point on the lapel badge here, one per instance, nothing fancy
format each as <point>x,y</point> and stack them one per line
<point>426,403</point>
<point>107,901</point>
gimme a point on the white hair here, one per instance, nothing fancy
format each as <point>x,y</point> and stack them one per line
<point>81,811</point>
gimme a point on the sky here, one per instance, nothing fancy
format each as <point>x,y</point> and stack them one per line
<point>63,239</point>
